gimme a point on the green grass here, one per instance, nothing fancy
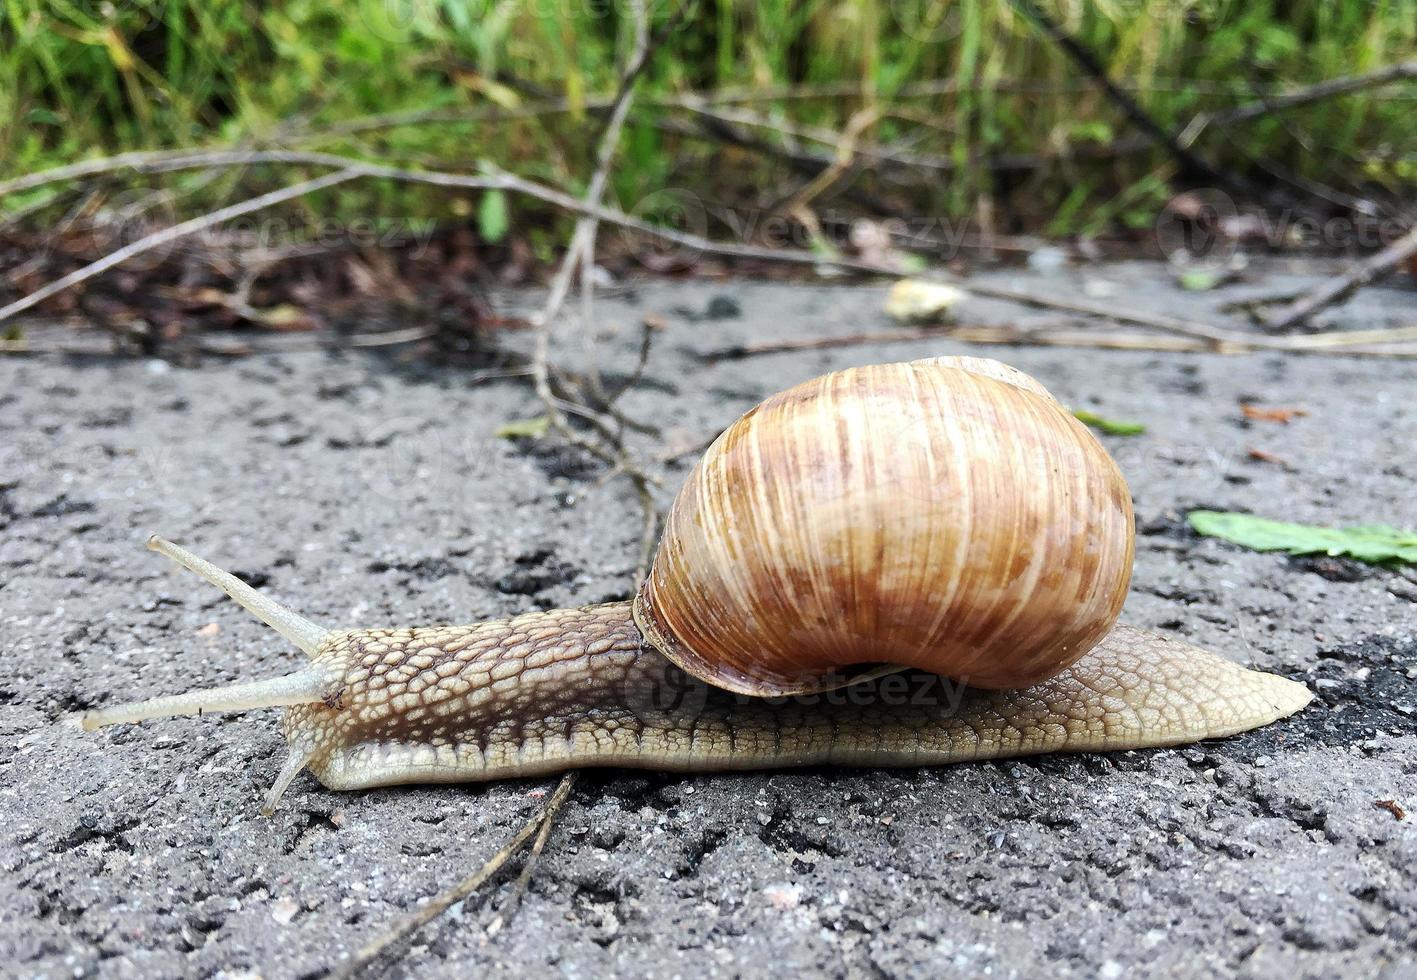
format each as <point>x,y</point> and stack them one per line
<point>79,79</point>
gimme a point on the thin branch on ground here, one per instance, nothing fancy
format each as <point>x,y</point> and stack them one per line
<point>1341,286</point>
<point>1218,337</point>
<point>1150,342</point>
<point>610,448</point>
<point>168,235</point>
<point>372,951</point>
<point>389,338</point>
<point>1330,88</point>
<point>513,900</point>
<point>647,331</point>
<point>1367,343</point>
<point>1346,338</point>
<point>352,168</point>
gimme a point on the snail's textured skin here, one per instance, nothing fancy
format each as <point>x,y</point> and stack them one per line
<point>577,687</point>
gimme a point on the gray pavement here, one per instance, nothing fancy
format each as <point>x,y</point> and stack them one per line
<point>369,489</point>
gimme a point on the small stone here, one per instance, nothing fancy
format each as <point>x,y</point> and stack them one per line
<point>723,307</point>
<point>1047,259</point>
<point>1262,761</point>
<point>782,896</point>
<point>283,910</point>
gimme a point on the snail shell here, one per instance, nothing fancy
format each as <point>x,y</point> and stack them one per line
<point>947,514</point>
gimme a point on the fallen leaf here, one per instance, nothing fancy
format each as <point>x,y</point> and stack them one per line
<point>532,428</point>
<point>492,217</point>
<point>286,317</point>
<point>1281,415</point>
<point>1200,280</point>
<point>1261,456</point>
<point>1393,807</point>
<point>1113,427</point>
<point>919,301</point>
<point>1375,543</point>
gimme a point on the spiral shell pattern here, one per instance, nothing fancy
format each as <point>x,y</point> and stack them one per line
<point>946,514</point>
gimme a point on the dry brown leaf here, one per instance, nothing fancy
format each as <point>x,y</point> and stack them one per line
<point>1259,413</point>
<point>1393,807</point>
<point>1262,456</point>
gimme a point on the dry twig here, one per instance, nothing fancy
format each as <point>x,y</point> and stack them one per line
<point>1215,338</point>
<point>580,256</point>
<point>1329,88</point>
<point>1363,343</point>
<point>514,900</point>
<point>1341,286</point>
<point>168,235</point>
<point>1191,164</point>
<point>376,948</point>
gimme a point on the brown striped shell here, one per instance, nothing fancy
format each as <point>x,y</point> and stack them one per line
<point>947,514</point>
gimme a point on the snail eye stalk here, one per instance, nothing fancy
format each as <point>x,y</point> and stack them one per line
<point>287,622</point>
<point>301,687</point>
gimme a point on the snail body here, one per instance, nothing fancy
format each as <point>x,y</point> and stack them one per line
<point>900,565</point>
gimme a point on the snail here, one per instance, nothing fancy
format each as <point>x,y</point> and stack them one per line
<point>836,554</point>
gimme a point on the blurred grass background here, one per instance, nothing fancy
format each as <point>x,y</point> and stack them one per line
<point>80,79</point>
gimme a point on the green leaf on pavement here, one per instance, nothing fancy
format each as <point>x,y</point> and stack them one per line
<point>1112,427</point>
<point>532,428</point>
<point>1376,543</point>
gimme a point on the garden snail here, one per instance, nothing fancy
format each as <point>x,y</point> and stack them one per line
<point>837,551</point>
